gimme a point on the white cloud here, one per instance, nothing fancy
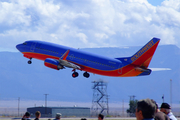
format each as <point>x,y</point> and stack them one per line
<point>175,4</point>
<point>82,37</point>
<point>12,14</point>
<point>101,36</point>
<point>89,23</point>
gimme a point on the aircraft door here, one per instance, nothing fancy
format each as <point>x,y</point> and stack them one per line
<point>71,56</point>
<point>120,68</point>
<point>33,45</point>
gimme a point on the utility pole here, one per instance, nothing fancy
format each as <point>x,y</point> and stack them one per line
<point>46,104</point>
<point>123,109</point>
<point>132,107</point>
<point>18,105</point>
<point>107,104</point>
<point>171,92</point>
<point>132,97</point>
<point>179,104</point>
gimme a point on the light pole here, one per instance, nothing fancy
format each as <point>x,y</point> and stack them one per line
<point>171,92</point>
<point>46,103</point>
<point>163,98</point>
<point>18,105</point>
<point>123,109</point>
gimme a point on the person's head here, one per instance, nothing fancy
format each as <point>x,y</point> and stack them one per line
<point>165,108</point>
<point>27,115</point>
<point>38,114</point>
<point>146,109</point>
<point>100,117</point>
<point>58,115</point>
<point>83,119</point>
<point>157,107</point>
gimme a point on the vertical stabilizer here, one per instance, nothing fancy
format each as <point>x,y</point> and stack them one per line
<point>143,57</point>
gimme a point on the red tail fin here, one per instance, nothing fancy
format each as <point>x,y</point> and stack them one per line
<point>143,57</point>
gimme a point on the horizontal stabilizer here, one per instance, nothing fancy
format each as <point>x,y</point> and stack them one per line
<point>160,69</point>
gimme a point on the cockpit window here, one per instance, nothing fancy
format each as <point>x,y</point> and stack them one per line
<point>24,43</point>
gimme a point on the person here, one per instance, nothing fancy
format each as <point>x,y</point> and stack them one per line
<point>83,119</point>
<point>166,108</point>
<point>145,110</point>
<point>100,117</point>
<point>160,115</point>
<point>26,116</point>
<point>38,115</point>
<point>58,116</point>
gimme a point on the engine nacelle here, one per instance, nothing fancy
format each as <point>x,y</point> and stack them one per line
<point>52,63</point>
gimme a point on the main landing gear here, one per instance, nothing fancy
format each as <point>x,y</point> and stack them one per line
<point>29,62</point>
<point>75,74</point>
<point>86,74</point>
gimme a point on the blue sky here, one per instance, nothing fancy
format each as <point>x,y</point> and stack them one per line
<point>155,2</point>
<point>89,23</point>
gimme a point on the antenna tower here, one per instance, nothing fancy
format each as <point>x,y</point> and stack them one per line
<point>100,98</point>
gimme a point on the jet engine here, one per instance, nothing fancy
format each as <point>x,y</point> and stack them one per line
<point>52,63</point>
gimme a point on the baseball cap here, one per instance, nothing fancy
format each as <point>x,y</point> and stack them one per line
<point>165,105</point>
<point>58,115</point>
<point>27,114</point>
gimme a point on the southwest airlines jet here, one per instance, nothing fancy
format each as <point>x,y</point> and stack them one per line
<point>58,57</point>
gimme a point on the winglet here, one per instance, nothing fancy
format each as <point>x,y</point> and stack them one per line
<point>64,56</point>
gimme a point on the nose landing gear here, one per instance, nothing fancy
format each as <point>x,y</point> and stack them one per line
<point>29,62</point>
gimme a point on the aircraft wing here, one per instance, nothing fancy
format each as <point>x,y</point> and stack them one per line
<point>68,64</point>
<point>61,63</point>
<point>65,63</point>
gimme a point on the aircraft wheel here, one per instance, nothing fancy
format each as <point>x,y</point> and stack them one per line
<point>29,62</point>
<point>86,74</point>
<point>75,74</point>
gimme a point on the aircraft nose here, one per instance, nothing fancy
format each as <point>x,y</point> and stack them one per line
<point>18,46</point>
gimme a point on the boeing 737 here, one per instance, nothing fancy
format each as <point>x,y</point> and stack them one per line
<point>59,57</point>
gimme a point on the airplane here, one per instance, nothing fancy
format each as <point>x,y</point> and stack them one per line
<point>60,57</point>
